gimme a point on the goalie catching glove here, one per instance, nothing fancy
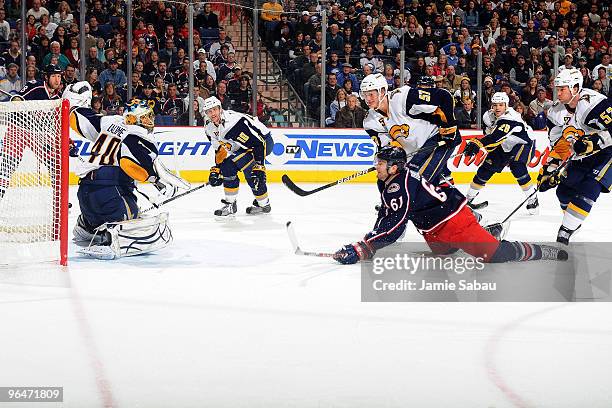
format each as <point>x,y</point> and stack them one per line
<point>166,183</point>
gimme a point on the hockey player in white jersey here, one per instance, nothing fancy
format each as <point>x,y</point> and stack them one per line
<point>579,128</point>
<point>413,118</point>
<point>123,151</point>
<point>507,142</point>
<point>241,143</point>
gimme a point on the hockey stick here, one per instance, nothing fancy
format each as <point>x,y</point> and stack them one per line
<point>296,248</point>
<point>302,193</point>
<point>557,171</point>
<point>166,201</point>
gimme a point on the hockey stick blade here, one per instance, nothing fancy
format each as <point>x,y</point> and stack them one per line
<point>296,247</point>
<point>293,187</point>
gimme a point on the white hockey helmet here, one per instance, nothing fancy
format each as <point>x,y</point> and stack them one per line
<point>500,97</point>
<point>569,77</point>
<point>78,94</point>
<point>211,102</point>
<point>140,112</point>
<point>373,82</point>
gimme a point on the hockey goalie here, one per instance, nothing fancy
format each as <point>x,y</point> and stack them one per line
<point>110,225</point>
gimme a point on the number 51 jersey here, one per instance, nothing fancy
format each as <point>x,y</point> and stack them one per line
<point>410,119</point>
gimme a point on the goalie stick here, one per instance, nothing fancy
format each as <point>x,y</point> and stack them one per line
<point>296,247</point>
<point>302,193</point>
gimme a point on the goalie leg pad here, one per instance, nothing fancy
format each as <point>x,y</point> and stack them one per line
<point>133,237</point>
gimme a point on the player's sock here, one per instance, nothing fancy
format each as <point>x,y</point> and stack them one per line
<point>575,214</point>
<point>516,251</point>
<point>471,195</point>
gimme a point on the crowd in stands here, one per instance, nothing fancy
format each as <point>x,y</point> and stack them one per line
<point>518,41</point>
<point>159,51</point>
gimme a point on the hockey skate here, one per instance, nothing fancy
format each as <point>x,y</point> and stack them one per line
<point>533,206</point>
<point>228,209</point>
<point>553,253</point>
<point>85,234</point>
<point>256,209</point>
<point>564,235</point>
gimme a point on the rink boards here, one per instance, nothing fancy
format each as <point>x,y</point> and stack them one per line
<point>306,155</point>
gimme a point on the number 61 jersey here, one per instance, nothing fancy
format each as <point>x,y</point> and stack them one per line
<point>114,143</point>
<point>414,116</point>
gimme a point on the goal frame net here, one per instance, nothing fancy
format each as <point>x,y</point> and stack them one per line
<point>34,178</point>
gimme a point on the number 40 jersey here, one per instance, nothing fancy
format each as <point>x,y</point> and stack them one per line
<point>129,147</point>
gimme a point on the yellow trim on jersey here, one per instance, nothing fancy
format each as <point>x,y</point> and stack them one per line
<point>442,116</point>
<point>518,155</point>
<point>74,123</point>
<point>603,172</point>
<point>133,169</point>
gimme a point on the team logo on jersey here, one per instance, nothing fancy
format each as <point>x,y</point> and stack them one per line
<point>393,188</point>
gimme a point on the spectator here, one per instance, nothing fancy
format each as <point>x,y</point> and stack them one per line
<point>222,95</point>
<point>223,40</point>
<point>347,75</point>
<point>12,83</point>
<point>111,102</point>
<point>91,76</point>
<point>69,77</point>
<point>331,88</point>
<point>520,74</point>
<point>207,19</point>
<point>369,58</point>
<point>605,80</point>
<point>348,88</point>
<point>112,74</point>
<point>338,103</point>
<point>72,53</point>
<point>13,54</point>
<point>92,60</point>
<point>173,105</point>
<point>465,91</point>
<point>529,92</point>
<point>55,51</point>
<point>63,16</point>
<point>162,72</point>
<point>351,115</point>
<point>538,109</point>
<point>96,105</point>
<point>605,63</point>
<point>242,96</point>
<point>37,10</point>
<point>466,115</point>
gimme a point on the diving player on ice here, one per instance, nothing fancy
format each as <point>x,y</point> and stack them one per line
<point>439,213</point>
<point>507,143</point>
<point>123,151</point>
<point>579,127</point>
<point>241,143</point>
<point>413,118</point>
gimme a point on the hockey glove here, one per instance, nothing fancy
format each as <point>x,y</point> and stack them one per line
<point>215,178</point>
<point>222,152</point>
<point>353,253</point>
<point>73,150</point>
<point>258,176</point>
<point>549,176</point>
<point>586,145</point>
<point>473,147</point>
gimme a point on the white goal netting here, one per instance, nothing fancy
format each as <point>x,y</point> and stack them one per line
<point>31,177</point>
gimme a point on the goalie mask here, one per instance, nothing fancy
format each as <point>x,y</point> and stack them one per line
<point>140,113</point>
<point>79,94</point>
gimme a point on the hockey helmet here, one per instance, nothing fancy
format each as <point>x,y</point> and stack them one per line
<point>500,97</point>
<point>140,112</point>
<point>51,69</point>
<point>211,102</point>
<point>373,82</point>
<point>393,156</point>
<point>78,94</point>
<point>425,81</point>
<point>569,77</point>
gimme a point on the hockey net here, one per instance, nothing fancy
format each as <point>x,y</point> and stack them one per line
<point>33,182</point>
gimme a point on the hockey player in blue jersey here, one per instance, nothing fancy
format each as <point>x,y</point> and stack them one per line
<point>43,90</point>
<point>123,152</point>
<point>439,213</point>
<point>241,143</point>
<point>507,142</point>
<point>579,129</point>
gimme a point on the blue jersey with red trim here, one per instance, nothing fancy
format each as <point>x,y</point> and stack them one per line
<point>38,91</point>
<point>409,197</point>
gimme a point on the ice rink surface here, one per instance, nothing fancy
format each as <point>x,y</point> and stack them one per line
<point>229,317</point>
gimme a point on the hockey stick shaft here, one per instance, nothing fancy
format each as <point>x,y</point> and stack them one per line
<point>193,190</point>
<point>557,171</point>
<point>296,247</point>
<point>302,193</point>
